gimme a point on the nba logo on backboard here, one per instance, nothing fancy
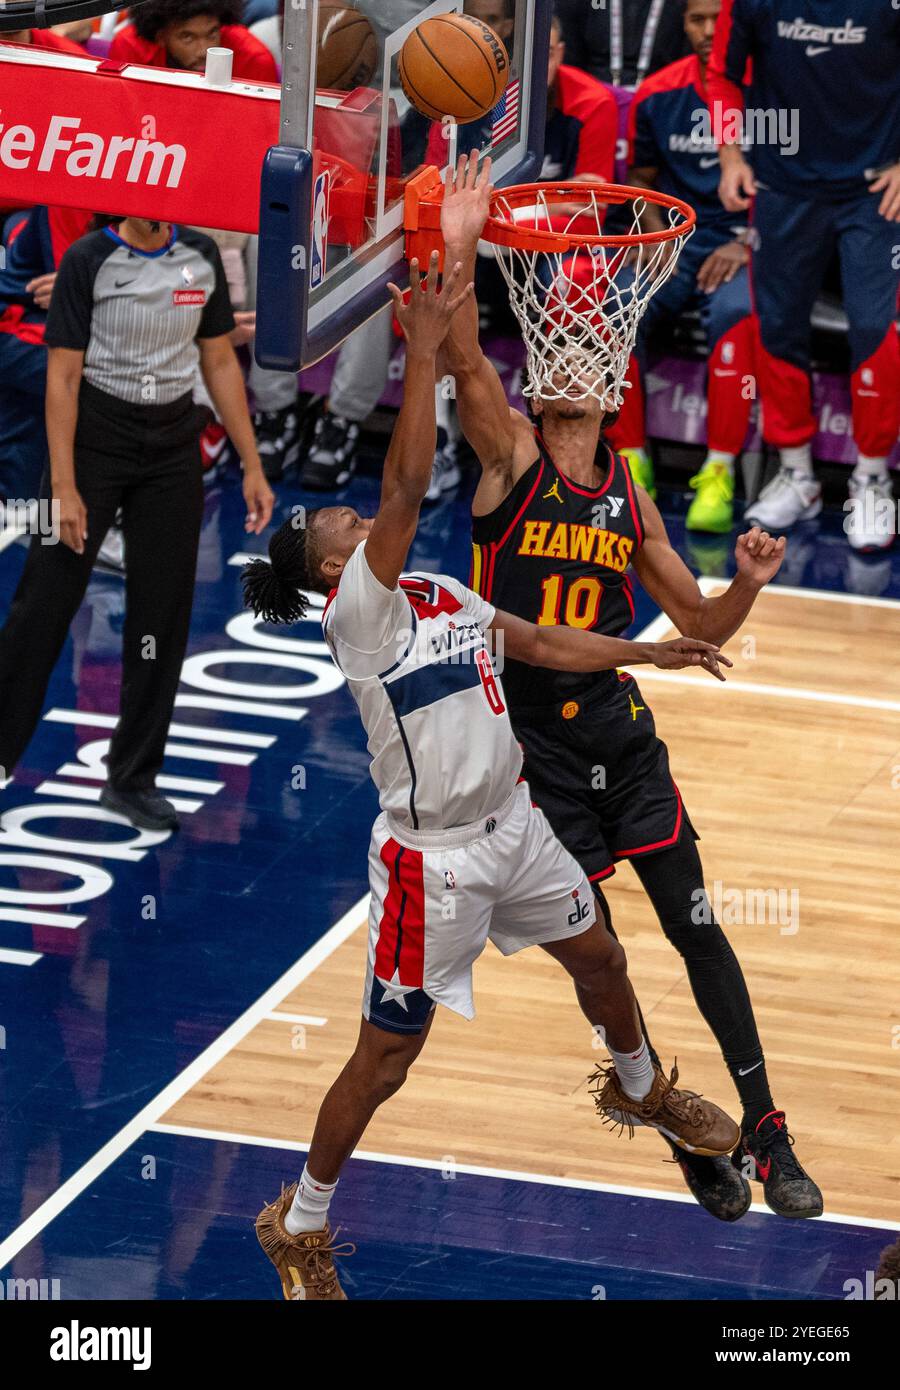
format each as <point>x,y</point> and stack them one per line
<point>319,228</point>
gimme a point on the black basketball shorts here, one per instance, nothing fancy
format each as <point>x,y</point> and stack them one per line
<point>600,774</point>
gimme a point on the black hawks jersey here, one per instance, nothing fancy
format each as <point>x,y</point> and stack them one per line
<point>558,553</point>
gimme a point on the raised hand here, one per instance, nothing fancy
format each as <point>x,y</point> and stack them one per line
<point>424,315</point>
<point>689,651</point>
<point>467,200</point>
<point>759,555</point>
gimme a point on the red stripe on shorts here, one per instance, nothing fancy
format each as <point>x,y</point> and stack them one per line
<point>401,931</point>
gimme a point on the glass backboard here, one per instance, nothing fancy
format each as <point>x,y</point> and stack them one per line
<point>331,218</point>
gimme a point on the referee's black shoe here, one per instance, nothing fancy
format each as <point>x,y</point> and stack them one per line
<point>766,1154</point>
<point>146,810</point>
<point>715,1183</point>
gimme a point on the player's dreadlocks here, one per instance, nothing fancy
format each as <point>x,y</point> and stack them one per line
<point>272,588</point>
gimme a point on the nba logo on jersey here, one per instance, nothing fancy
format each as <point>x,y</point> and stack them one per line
<point>321,191</point>
<point>449,879</point>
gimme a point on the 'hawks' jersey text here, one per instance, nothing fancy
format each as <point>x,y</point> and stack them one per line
<point>555,552</point>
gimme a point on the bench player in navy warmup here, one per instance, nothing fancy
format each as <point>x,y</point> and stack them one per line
<point>558,522</point>
<point>457,823</point>
<point>836,65</point>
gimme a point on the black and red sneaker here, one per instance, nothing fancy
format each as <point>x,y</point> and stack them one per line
<point>766,1154</point>
<point>714,1183</point>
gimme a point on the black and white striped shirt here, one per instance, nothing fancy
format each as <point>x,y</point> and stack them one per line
<point>137,315</point>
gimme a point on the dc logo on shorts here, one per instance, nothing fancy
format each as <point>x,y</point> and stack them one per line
<point>490,826</point>
<point>449,880</point>
<point>579,911</point>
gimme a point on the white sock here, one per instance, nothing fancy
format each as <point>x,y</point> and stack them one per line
<point>309,1209</point>
<point>719,456</point>
<point>634,1070</point>
<point>797,459</point>
<point>867,469</point>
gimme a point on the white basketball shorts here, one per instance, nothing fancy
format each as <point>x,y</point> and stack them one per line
<point>438,898</point>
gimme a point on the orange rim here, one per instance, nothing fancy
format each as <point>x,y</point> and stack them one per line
<point>499,230</point>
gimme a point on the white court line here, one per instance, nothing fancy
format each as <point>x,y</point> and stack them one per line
<point>166,1098</point>
<point>10,957</point>
<point>829,595</point>
<point>476,1170</point>
<point>661,624</point>
<point>311,1019</point>
<point>787,692</point>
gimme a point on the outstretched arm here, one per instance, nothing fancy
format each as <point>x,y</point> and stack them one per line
<point>671,585</point>
<point>502,438</point>
<point>562,648</point>
<point>407,466</point>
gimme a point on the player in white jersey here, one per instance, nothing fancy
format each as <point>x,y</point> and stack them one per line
<point>458,854</point>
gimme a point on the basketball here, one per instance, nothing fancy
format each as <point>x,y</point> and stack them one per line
<point>453,65</point>
<point>348,49</point>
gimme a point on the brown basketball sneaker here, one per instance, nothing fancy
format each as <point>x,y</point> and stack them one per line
<point>682,1116</point>
<point>305,1262</point>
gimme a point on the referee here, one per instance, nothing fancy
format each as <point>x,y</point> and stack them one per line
<point>134,311</point>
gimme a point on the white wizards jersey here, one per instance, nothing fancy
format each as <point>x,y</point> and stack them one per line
<point>415,658</point>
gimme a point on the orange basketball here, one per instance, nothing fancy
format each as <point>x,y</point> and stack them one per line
<point>348,49</point>
<point>453,65</point>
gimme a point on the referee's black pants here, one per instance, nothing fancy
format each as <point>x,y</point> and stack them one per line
<point>144,459</point>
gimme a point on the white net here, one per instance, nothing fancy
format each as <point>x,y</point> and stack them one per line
<point>579,308</point>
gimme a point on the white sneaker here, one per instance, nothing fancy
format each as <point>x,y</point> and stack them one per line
<point>871,514</point>
<point>445,473</point>
<point>784,501</point>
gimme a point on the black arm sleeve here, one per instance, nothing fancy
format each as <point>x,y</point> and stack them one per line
<point>72,299</point>
<point>218,317</point>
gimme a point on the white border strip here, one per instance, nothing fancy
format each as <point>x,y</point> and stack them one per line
<point>181,1084</point>
<point>310,1019</point>
<point>510,1174</point>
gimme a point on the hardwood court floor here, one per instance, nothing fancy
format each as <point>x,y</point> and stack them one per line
<point>793,793</point>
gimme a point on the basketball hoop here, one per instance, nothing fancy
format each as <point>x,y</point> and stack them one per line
<point>578,294</point>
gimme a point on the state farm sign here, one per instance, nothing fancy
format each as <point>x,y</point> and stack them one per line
<point>77,132</point>
<point>67,148</point>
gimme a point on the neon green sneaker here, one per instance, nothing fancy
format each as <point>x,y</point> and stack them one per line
<point>713,507</point>
<point>640,465</point>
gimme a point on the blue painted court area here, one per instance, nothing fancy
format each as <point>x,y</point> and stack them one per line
<point>187,1232</point>
<point>183,933</point>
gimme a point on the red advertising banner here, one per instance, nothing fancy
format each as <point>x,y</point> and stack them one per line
<point>149,142</point>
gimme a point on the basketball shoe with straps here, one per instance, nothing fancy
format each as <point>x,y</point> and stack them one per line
<point>305,1262</point>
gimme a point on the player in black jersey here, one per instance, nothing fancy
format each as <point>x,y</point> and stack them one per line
<point>558,525</point>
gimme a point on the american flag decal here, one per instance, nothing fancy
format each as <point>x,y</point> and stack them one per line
<point>505,115</point>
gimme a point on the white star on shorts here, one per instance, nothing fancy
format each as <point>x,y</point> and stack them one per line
<point>393,990</point>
